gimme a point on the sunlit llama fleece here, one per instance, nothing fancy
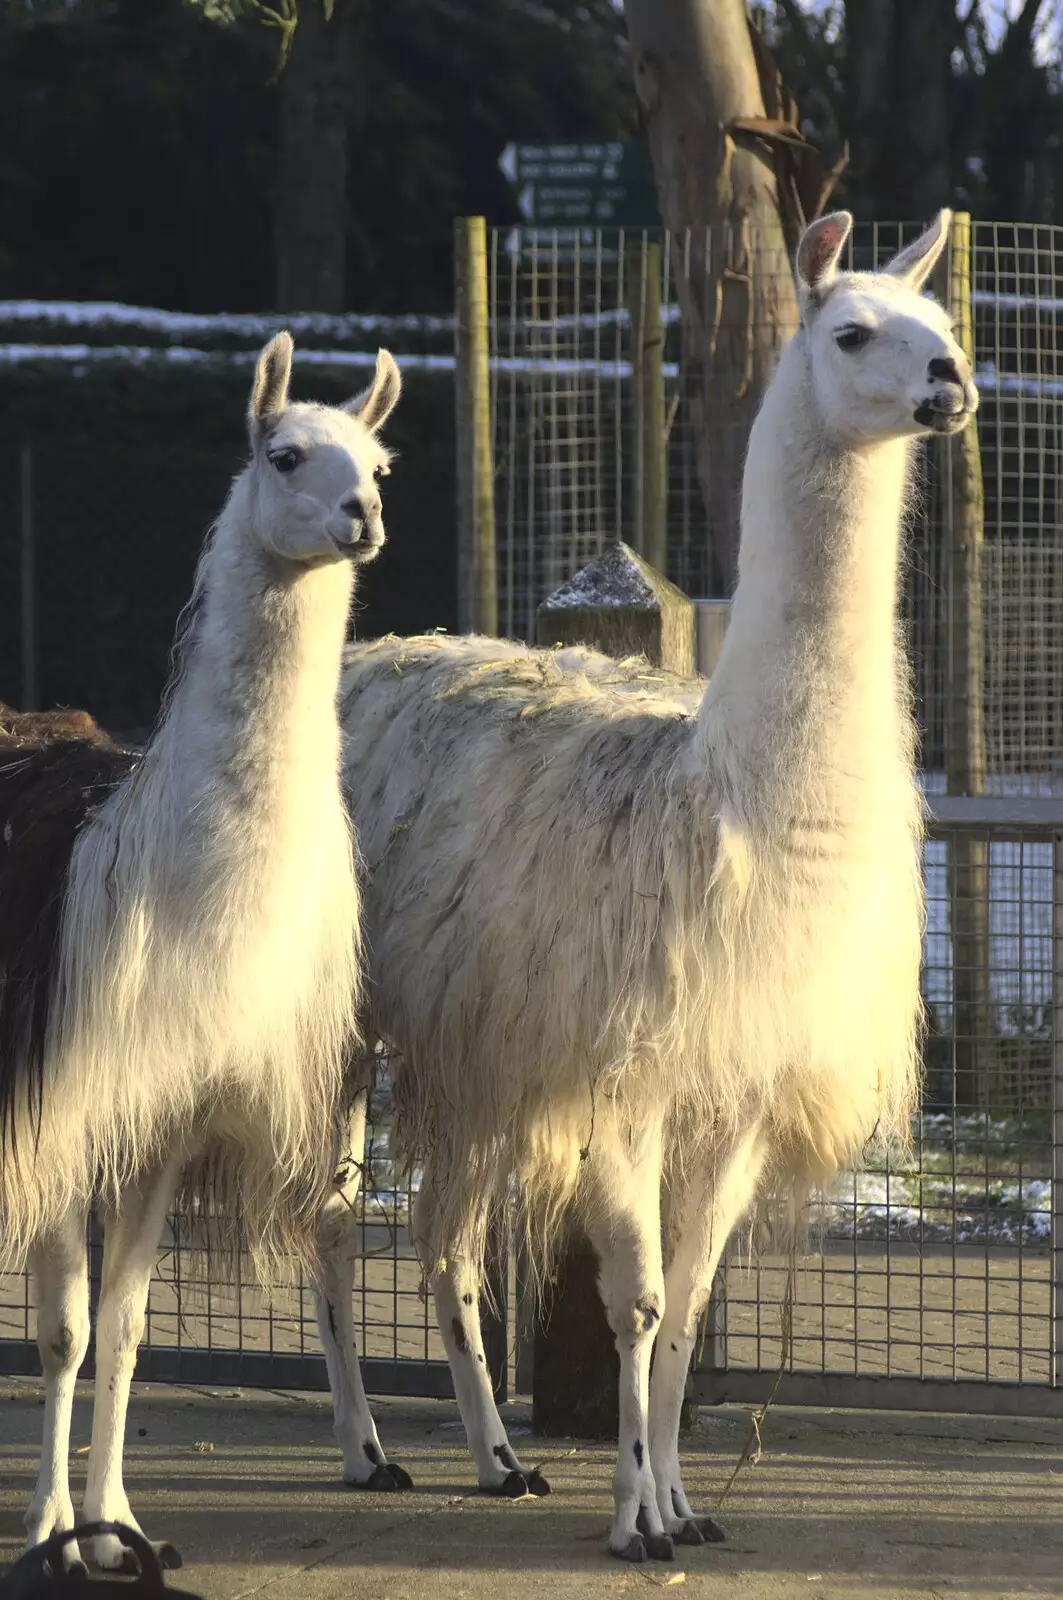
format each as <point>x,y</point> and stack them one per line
<point>654,945</point>
<point>179,934</point>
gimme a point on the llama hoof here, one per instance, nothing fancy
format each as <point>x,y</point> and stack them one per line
<point>69,1568</point>
<point>385,1479</point>
<point>514,1486</point>
<point>167,1555</point>
<point>537,1484</point>
<point>122,1561</point>
<point>634,1550</point>
<point>659,1547</point>
<point>710,1531</point>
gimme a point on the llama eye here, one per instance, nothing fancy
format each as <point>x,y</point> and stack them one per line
<point>286,460</point>
<point>852,338</point>
<point>380,472</point>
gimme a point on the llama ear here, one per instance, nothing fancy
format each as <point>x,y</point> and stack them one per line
<point>916,261</point>
<point>819,251</point>
<point>375,404</point>
<point>269,392</point>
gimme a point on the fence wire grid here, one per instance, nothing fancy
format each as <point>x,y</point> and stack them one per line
<point>210,1323</point>
<point>570,455</point>
<point>940,1273</point>
<point>937,1280</point>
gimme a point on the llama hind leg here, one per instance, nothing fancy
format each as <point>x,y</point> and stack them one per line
<point>703,1217</point>
<point>365,1465</point>
<point>59,1265</point>
<point>454,1272</point>
<point>623,1216</point>
<point>130,1246</point>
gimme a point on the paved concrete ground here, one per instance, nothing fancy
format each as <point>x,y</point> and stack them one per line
<point>843,1504</point>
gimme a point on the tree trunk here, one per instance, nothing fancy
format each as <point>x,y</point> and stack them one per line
<point>870,68</point>
<point>899,72</point>
<point>311,219</point>
<point>694,75</point>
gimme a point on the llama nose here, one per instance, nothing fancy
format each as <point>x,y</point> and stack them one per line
<point>361,507</point>
<point>944,367</point>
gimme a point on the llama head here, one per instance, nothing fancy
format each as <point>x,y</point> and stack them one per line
<point>316,469</point>
<point>884,362</point>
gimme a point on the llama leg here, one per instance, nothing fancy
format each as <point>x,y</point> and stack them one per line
<point>704,1214</point>
<point>454,1273</point>
<point>623,1179</point>
<point>59,1265</point>
<point>365,1465</point>
<point>130,1246</point>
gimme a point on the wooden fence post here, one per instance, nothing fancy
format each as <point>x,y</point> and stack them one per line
<point>965,752</point>
<point>477,570</point>
<point>642,276</point>
<point>620,605</point>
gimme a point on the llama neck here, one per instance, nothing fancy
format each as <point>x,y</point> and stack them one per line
<point>254,704</point>
<point>808,702</point>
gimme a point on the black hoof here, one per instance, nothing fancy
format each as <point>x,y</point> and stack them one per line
<point>710,1531</point>
<point>385,1479</point>
<point>537,1484</point>
<point>688,1533</point>
<point>128,1566</point>
<point>660,1547</point>
<point>634,1550</point>
<point>74,1571</point>
<point>514,1486</point>
<point>169,1557</point>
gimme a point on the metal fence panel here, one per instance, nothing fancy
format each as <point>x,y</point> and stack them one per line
<point>209,1325</point>
<point>934,1281</point>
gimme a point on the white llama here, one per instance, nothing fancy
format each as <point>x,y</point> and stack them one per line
<point>190,990</point>
<point>651,947</point>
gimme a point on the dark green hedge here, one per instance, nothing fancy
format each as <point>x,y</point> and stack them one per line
<point>131,464</point>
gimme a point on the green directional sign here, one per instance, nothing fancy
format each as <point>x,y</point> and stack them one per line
<point>584,183</point>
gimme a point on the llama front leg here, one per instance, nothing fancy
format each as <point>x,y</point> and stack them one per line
<point>365,1465</point>
<point>59,1265</point>
<point>623,1218</point>
<point>454,1273</point>
<point>130,1246</point>
<point>703,1217</point>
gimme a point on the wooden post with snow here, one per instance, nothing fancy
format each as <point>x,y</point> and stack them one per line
<point>477,570</point>
<point>965,740</point>
<point>622,606</point>
<point>618,604</point>
<point>642,262</point>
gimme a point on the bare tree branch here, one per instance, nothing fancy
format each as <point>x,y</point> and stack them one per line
<point>813,49</point>
<point>1021,29</point>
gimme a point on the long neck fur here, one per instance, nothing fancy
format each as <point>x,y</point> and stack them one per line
<point>808,705</point>
<point>804,741</point>
<point>252,709</point>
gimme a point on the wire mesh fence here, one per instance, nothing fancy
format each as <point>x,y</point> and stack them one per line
<point>570,447</point>
<point>933,1280</point>
<point>207,1321</point>
<point>940,1270</point>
